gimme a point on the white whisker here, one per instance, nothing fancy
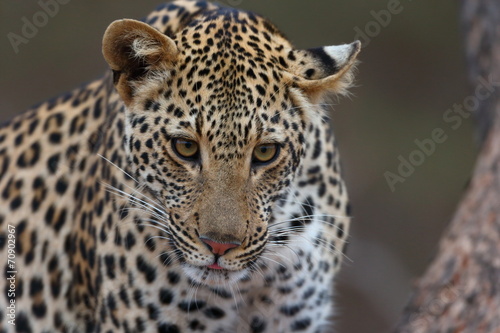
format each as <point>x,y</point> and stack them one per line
<point>116,166</point>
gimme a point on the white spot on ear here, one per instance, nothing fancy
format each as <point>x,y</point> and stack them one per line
<point>342,53</point>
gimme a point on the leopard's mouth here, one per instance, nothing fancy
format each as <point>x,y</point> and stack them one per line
<point>215,266</point>
<point>214,274</point>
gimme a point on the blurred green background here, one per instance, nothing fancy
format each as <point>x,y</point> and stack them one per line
<point>412,71</point>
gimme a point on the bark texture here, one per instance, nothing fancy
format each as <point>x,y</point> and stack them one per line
<point>460,292</point>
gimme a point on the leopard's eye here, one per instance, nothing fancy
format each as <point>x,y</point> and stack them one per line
<point>265,153</point>
<point>185,148</point>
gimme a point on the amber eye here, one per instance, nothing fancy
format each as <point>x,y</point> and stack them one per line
<point>265,153</point>
<point>185,148</point>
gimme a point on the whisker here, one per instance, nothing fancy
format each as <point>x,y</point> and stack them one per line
<point>156,227</point>
<point>132,198</point>
<point>141,210</point>
<point>272,260</point>
<point>116,166</point>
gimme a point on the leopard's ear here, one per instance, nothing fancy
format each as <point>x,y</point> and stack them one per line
<point>324,70</point>
<point>133,49</point>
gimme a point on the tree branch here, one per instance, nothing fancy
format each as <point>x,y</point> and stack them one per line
<point>460,292</point>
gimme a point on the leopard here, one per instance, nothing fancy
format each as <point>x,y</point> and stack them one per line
<point>195,187</point>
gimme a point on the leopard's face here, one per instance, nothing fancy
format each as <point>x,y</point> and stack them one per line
<point>215,131</point>
<point>217,159</point>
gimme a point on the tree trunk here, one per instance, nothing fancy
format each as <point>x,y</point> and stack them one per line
<point>460,292</point>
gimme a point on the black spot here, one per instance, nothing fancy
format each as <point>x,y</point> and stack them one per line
<point>148,270</point>
<point>310,72</point>
<point>322,190</point>
<point>291,310</point>
<point>137,145</point>
<point>58,319</point>
<point>109,261</point>
<point>261,90</point>
<point>178,113</point>
<point>166,296</point>
<point>36,286</point>
<point>129,241</point>
<point>165,259</point>
<point>204,72</point>
<point>97,109</point>
<point>123,264</point>
<point>140,324</point>
<point>313,170</point>
<point>340,230</point>
<point>20,288</point>
<point>39,310</point>
<point>91,257</point>
<point>214,313</point>
<point>144,128</point>
<point>111,302</point>
<point>61,185</point>
<point>317,149</point>
<point>301,324</point>
<point>23,324</point>
<point>257,325</point>
<point>118,238</point>
<point>250,73</point>
<point>16,203</point>
<point>153,20</point>
<point>52,163</point>
<point>138,297</point>
<point>191,306</point>
<point>309,292</point>
<point>283,62</point>
<point>173,277</point>
<point>264,77</point>
<point>55,138</point>
<point>55,286</point>
<point>168,328</point>
<point>348,209</point>
<point>38,183</point>
<point>33,125</point>
<point>153,311</point>
<point>196,325</point>
<point>78,190</point>
<point>5,165</point>
<point>285,290</point>
<point>276,118</point>
<point>19,139</point>
<point>197,86</point>
<point>148,104</point>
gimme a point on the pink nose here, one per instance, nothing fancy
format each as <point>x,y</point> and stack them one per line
<point>218,248</point>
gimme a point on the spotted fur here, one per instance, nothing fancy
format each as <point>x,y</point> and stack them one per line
<point>115,230</point>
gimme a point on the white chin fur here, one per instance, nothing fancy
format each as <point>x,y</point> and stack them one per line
<point>212,277</point>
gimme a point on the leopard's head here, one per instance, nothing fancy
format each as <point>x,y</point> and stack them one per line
<point>217,119</point>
